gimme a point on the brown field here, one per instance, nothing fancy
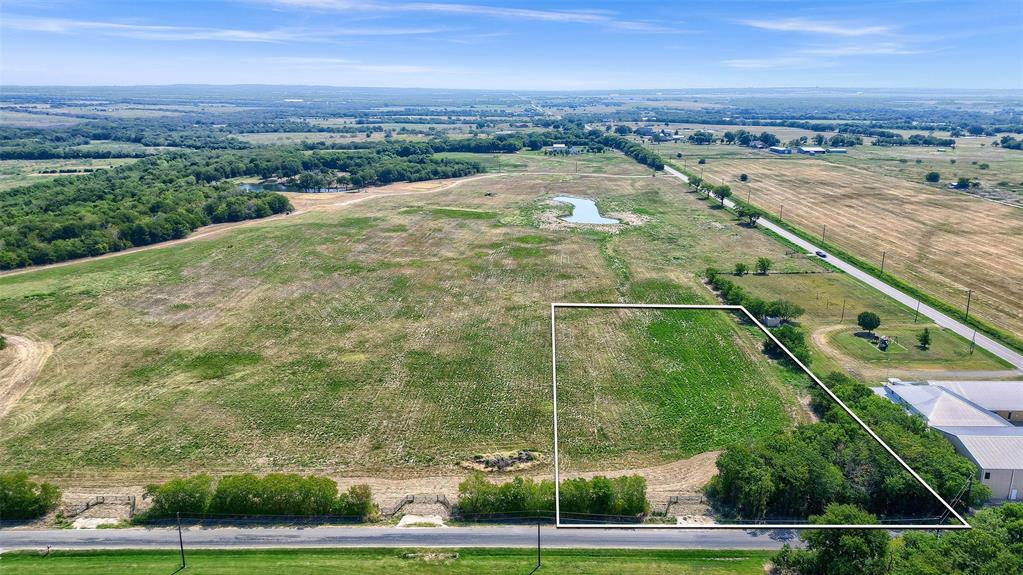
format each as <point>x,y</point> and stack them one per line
<point>943,242</point>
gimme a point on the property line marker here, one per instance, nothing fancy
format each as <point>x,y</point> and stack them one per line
<point>557,470</point>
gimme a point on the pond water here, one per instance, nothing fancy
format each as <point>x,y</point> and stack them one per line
<point>584,212</point>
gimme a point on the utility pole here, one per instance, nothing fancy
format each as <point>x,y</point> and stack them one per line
<point>973,342</point>
<point>748,193</point>
<point>969,296</point>
<point>882,261</point>
<point>917,314</point>
<point>181,542</point>
<point>843,311</point>
<point>781,213</point>
<point>535,569</point>
<point>824,232</point>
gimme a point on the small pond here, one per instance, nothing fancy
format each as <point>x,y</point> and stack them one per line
<point>584,212</point>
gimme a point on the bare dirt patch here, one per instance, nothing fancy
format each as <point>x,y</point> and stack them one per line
<point>20,363</point>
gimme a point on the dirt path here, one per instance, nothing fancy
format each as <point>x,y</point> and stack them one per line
<point>20,363</point>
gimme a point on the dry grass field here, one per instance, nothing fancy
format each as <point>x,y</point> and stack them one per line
<point>943,242</point>
<point>14,173</point>
<point>403,333</point>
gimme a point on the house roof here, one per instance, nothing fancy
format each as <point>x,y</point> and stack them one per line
<point>941,407</point>
<point>991,447</point>
<point>991,395</point>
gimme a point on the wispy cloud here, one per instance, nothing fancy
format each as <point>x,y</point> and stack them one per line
<point>591,17</point>
<point>784,62</point>
<point>820,27</point>
<point>192,33</point>
<point>861,50</point>
<point>332,63</point>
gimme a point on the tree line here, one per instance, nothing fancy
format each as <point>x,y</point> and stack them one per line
<point>285,494</point>
<point>599,497</point>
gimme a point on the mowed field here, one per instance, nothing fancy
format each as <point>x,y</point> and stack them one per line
<point>396,336</point>
<point>943,242</point>
<point>390,561</point>
<point>677,382</point>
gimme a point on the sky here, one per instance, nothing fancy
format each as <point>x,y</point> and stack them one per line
<point>517,45</point>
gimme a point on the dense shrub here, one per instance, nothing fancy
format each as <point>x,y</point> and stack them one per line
<point>189,495</point>
<point>620,496</point>
<point>24,499</point>
<point>799,472</point>
<point>248,494</point>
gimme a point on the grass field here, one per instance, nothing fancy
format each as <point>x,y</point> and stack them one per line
<point>678,382</point>
<point>380,561</point>
<point>393,337</point>
<point>392,334</point>
<point>943,242</point>
<point>945,349</point>
<point>14,173</point>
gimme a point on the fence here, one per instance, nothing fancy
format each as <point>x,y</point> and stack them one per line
<point>73,510</point>
<point>422,498</point>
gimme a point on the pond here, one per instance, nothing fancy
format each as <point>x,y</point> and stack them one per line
<point>584,212</point>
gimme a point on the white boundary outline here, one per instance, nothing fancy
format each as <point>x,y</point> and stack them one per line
<point>557,471</point>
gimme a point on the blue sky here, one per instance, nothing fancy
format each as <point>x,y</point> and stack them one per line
<point>515,45</point>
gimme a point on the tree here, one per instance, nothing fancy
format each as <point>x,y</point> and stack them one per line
<point>962,183</point>
<point>24,499</point>
<point>3,342</point>
<point>743,178</point>
<point>741,269</point>
<point>702,161</point>
<point>932,177</point>
<point>751,215</point>
<point>722,192</point>
<point>868,320</point>
<point>924,338</point>
<point>763,265</point>
<point>839,551</point>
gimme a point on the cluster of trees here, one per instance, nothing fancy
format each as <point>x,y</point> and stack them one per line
<point>798,473</point>
<point>1010,143</point>
<point>745,138</point>
<point>153,200</point>
<point>994,545</point>
<point>896,139</point>
<point>247,494</point>
<point>600,496</point>
<point>631,149</point>
<point>21,498</point>
<point>790,336</point>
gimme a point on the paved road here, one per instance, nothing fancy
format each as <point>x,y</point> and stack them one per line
<point>936,316</point>
<point>166,538</point>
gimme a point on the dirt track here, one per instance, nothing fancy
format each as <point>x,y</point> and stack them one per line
<point>20,363</point>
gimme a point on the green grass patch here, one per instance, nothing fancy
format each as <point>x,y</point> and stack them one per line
<point>463,213</point>
<point>392,561</point>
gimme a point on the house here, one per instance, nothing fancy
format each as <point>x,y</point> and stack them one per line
<point>974,416</point>
<point>757,144</point>
<point>772,321</point>
<point>644,131</point>
<point>780,150</point>
<point>811,150</point>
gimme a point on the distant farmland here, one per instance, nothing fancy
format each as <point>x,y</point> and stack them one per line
<point>941,241</point>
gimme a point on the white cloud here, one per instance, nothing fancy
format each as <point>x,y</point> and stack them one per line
<point>333,63</point>
<point>592,17</point>
<point>785,62</point>
<point>819,27</point>
<point>861,50</point>
<point>192,33</point>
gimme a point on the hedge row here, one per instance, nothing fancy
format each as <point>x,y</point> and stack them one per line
<point>247,494</point>
<point>24,499</point>
<point>600,496</point>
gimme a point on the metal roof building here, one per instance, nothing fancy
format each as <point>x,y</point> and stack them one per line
<point>941,407</point>
<point>991,395</point>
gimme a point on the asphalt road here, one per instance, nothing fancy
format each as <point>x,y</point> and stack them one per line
<point>936,316</point>
<point>277,537</point>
